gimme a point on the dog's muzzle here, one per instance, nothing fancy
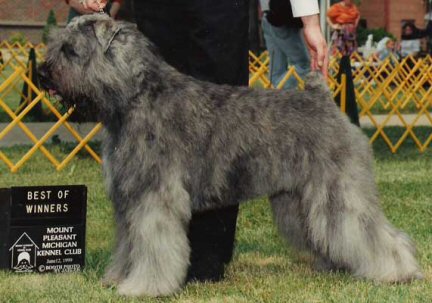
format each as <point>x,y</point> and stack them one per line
<point>45,81</point>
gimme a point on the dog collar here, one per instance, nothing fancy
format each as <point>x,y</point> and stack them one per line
<point>111,40</point>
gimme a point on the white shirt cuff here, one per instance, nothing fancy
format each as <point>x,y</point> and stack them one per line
<point>302,8</point>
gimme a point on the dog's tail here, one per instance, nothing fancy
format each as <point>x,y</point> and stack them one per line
<point>315,81</point>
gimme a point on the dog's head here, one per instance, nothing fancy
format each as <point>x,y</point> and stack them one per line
<point>96,63</point>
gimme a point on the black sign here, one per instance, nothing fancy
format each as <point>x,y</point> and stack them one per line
<point>42,229</point>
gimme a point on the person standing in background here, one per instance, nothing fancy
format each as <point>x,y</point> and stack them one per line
<point>410,40</point>
<point>386,48</point>
<point>343,18</point>
<point>284,41</point>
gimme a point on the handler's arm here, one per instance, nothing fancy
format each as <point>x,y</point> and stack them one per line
<point>76,5</point>
<point>308,10</point>
<point>115,8</point>
<point>92,5</point>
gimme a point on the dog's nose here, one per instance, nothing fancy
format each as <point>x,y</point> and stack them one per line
<point>42,71</point>
<point>44,77</point>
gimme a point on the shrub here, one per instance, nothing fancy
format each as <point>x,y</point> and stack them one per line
<point>17,37</point>
<point>378,34</point>
<point>50,23</point>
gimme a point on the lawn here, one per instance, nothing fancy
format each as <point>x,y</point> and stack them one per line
<point>264,269</point>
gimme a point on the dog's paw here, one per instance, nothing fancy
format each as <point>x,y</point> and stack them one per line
<point>108,281</point>
<point>139,288</point>
<point>323,264</point>
<point>112,277</point>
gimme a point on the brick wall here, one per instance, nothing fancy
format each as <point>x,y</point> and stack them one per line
<point>406,9</point>
<point>29,16</point>
<point>31,11</point>
<point>374,12</point>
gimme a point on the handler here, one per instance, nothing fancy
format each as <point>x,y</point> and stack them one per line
<point>208,40</point>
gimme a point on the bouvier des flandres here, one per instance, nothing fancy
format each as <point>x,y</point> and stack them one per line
<point>176,145</point>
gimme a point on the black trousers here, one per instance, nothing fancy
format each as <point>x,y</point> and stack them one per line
<point>207,39</point>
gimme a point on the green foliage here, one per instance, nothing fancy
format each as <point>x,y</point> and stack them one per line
<point>17,37</point>
<point>50,23</point>
<point>378,34</point>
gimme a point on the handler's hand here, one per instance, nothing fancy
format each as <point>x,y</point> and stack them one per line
<point>316,44</point>
<point>95,5</point>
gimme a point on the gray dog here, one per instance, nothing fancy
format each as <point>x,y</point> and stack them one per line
<point>176,145</point>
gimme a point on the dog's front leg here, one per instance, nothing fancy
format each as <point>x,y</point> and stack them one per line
<point>119,265</point>
<point>157,232</point>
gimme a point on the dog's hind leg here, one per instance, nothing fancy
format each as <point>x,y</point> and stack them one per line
<point>346,225</point>
<point>159,253</point>
<point>291,222</point>
<point>287,214</point>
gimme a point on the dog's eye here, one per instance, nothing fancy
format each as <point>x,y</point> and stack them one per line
<point>68,50</point>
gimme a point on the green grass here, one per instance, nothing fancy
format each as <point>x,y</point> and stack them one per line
<point>264,269</point>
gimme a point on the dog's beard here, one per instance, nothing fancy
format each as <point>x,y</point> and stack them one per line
<point>84,108</point>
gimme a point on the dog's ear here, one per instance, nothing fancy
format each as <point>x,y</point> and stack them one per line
<point>101,26</point>
<point>105,32</point>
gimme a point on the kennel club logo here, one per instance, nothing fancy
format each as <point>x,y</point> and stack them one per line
<point>42,229</point>
<point>23,254</point>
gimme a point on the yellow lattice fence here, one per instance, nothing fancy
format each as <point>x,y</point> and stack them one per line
<point>15,72</point>
<point>16,54</point>
<point>259,76</point>
<point>392,92</point>
<point>400,90</point>
<point>384,91</point>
